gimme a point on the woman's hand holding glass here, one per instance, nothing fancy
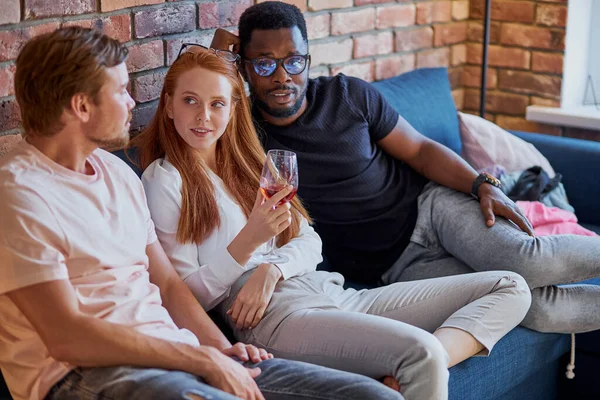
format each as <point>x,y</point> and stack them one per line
<point>268,217</point>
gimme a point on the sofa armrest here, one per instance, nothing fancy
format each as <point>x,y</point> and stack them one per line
<point>579,163</point>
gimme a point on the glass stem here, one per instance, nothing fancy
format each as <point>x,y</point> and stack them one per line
<point>271,246</point>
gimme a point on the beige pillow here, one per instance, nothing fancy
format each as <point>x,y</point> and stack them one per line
<point>486,144</point>
<point>8,142</point>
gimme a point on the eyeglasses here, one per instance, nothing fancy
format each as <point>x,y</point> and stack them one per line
<point>224,54</point>
<point>293,65</point>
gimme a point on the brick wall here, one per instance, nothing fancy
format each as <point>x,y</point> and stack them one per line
<point>525,59</point>
<point>372,39</point>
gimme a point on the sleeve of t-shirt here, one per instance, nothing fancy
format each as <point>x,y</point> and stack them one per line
<point>209,281</point>
<point>370,104</point>
<point>32,243</point>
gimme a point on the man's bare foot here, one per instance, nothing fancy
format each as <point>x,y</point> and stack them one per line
<point>390,382</point>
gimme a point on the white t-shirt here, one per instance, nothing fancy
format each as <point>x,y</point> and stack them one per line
<point>208,269</point>
<point>93,230</point>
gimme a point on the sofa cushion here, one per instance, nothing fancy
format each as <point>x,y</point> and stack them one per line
<point>486,144</point>
<point>424,98</point>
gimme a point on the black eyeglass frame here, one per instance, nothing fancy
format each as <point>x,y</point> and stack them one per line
<point>220,53</point>
<point>278,62</point>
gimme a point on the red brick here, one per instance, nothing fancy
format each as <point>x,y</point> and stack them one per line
<point>423,11</point>
<point>145,56</point>
<point>7,82</point>
<point>389,67</point>
<point>460,10</point>
<point>530,83</point>
<point>521,124</point>
<point>174,45</point>
<point>14,40</point>
<point>11,12</point>
<point>458,95</point>
<point>471,99</point>
<point>116,26</point>
<point>529,36</point>
<point>540,101</point>
<point>141,117</point>
<point>547,62</point>
<point>362,70</point>
<point>396,16</point>
<point>452,33</point>
<point>169,19</point>
<point>441,11</point>
<point>301,4</point>
<point>370,45</point>
<point>317,5</point>
<point>331,52</point>
<point>475,32</point>
<point>499,56</point>
<point>230,12</point>
<point>455,77</point>
<point>208,15</point>
<point>147,87</point>
<point>10,115</point>
<point>43,8</point>
<point>551,15</point>
<point>414,39</point>
<point>433,58</point>
<point>318,25</point>
<point>506,103</point>
<point>318,71</point>
<point>472,77</point>
<point>510,11</point>
<point>352,21</point>
<point>459,54</point>
<point>111,5</point>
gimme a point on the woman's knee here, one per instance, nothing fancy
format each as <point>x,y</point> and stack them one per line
<point>517,289</point>
<point>427,352</point>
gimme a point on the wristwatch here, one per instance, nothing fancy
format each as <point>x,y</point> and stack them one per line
<point>484,177</point>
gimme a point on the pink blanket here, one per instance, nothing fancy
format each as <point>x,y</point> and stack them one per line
<point>548,221</point>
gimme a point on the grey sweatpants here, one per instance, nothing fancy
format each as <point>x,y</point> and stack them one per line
<point>385,331</point>
<point>451,238</point>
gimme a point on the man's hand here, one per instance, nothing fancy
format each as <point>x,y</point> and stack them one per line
<point>254,297</point>
<point>246,352</point>
<point>229,376</point>
<point>494,202</point>
<point>224,40</point>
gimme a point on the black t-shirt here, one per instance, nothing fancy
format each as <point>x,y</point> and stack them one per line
<point>363,201</point>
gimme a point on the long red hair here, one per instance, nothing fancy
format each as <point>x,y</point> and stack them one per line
<point>239,157</point>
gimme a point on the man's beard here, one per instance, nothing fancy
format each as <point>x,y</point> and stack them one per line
<point>280,112</point>
<point>112,144</point>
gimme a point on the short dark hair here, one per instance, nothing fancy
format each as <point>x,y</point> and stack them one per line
<point>53,67</point>
<point>269,15</point>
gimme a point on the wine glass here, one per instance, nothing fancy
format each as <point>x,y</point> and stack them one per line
<point>280,170</point>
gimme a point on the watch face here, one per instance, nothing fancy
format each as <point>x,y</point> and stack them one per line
<point>493,180</point>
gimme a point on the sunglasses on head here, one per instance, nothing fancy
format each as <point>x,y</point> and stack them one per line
<point>224,54</point>
<point>266,66</point>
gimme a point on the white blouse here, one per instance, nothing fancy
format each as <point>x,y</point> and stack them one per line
<point>207,268</point>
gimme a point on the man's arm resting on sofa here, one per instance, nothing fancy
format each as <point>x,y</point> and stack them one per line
<point>440,164</point>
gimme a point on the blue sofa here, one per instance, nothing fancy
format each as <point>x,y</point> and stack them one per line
<point>525,365</point>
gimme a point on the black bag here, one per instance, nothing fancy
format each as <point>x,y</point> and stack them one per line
<point>533,184</point>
